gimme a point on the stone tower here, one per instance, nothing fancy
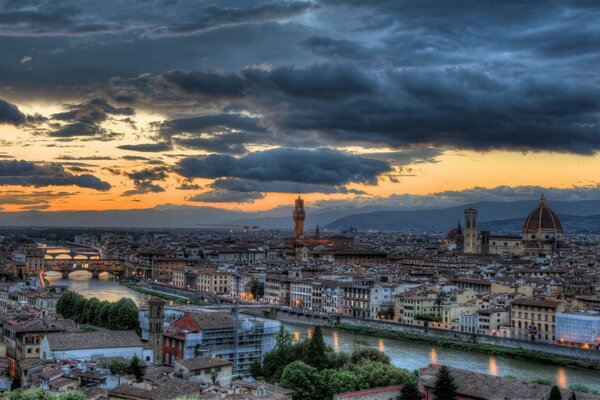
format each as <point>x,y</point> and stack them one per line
<point>156,317</point>
<point>299,219</point>
<point>470,233</point>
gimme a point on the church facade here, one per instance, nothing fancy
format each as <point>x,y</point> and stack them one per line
<point>542,235</point>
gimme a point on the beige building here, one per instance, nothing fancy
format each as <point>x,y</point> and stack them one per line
<point>213,281</point>
<point>205,370</point>
<point>534,318</point>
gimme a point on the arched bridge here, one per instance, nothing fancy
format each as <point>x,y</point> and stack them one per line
<point>94,266</point>
<point>71,254</point>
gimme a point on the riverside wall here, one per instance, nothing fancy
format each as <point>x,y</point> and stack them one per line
<point>548,348</point>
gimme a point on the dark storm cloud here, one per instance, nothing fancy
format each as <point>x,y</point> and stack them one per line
<point>10,114</point>
<point>188,186</point>
<point>452,198</point>
<point>327,167</point>
<point>82,120</point>
<point>338,48</point>
<point>209,124</point>
<point>226,196</point>
<point>450,107</point>
<point>246,185</point>
<point>213,17</point>
<point>504,75</point>
<point>26,173</point>
<point>324,81</point>
<point>143,180</point>
<point>147,147</point>
<point>220,133</point>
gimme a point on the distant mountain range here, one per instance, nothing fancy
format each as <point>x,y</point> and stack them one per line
<point>495,216</point>
<point>491,215</point>
<point>175,216</point>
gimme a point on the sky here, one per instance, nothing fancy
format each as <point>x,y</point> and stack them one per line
<point>243,104</point>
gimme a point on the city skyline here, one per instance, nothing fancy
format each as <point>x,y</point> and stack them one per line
<point>243,105</point>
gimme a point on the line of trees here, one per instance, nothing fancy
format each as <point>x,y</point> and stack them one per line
<point>315,372</point>
<point>119,315</point>
<point>40,394</point>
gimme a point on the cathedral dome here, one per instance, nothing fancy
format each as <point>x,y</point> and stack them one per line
<point>542,221</point>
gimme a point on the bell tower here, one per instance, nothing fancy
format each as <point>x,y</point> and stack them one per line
<point>470,235</point>
<point>156,317</point>
<point>299,219</point>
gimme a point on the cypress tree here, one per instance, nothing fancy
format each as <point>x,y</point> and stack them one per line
<point>555,393</point>
<point>410,391</point>
<point>573,397</point>
<point>444,387</point>
<point>314,354</point>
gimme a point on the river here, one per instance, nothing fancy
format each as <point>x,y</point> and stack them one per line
<point>404,354</point>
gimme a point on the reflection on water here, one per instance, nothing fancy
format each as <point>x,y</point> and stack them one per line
<point>336,341</point>
<point>104,288</point>
<point>309,333</point>
<point>492,367</point>
<point>433,359</point>
<point>562,381</point>
<point>408,355</point>
<point>412,355</point>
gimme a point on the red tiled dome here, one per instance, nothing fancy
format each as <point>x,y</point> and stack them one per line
<point>542,218</point>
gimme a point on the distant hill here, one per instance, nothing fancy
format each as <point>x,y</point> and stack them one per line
<point>442,220</point>
<point>570,223</point>
<point>501,216</point>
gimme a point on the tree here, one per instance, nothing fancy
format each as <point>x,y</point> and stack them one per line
<point>369,354</point>
<point>555,393</point>
<point>118,368</point>
<point>339,382</point>
<point>72,395</point>
<point>282,354</point>
<point>410,391</point>
<point>103,313</point>
<point>372,374</point>
<point>337,360</point>
<point>257,289</point>
<point>135,368</point>
<point>304,380</point>
<point>40,394</point>
<point>444,387</point>
<point>572,397</point>
<point>315,351</point>
<point>16,382</point>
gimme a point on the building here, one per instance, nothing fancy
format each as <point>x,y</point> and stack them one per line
<point>380,393</point>
<point>578,328</point>
<point>205,370</point>
<point>542,235</point>
<point>213,281</point>
<point>301,242</point>
<point>534,319</point>
<point>163,389</point>
<point>93,345</point>
<point>213,334</point>
<point>156,318</point>
<point>299,216</point>
<point>476,386</point>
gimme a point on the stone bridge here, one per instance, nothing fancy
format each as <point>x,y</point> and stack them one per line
<point>71,254</point>
<point>94,266</point>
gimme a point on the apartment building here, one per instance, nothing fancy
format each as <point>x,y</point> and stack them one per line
<point>534,319</point>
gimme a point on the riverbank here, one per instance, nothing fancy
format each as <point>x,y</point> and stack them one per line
<point>428,338</point>
<point>157,293</point>
<point>528,355</point>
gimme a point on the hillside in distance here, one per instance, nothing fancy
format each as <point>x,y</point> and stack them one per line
<point>442,220</point>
